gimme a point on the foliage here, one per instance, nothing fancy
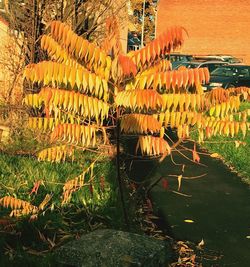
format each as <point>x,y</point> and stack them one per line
<point>85,92</point>
<point>85,85</point>
<point>233,151</point>
<point>29,19</point>
<point>30,182</point>
<point>149,17</point>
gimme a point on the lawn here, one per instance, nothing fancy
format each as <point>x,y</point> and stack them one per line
<point>91,207</point>
<point>236,157</point>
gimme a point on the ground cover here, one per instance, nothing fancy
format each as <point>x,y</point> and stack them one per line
<point>95,206</point>
<point>234,153</point>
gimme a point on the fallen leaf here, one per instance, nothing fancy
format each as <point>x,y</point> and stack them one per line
<point>196,157</point>
<point>214,155</point>
<point>182,249</point>
<point>35,187</point>
<point>192,258</point>
<point>201,244</point>
<point>179,182</point>
<point>238,143</point>
<point>165,183</point>
<point>188,221</point>
<point>33,217</point>
<point>185,259</point>
<point>183,167</point>
<point>45,201</point>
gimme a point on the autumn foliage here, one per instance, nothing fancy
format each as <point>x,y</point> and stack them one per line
<point>85,89</point>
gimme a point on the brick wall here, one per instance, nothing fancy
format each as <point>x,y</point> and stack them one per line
<point>221,26</point>
<point>9,53</point>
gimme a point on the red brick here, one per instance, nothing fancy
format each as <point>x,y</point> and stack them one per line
<point>221,26</point>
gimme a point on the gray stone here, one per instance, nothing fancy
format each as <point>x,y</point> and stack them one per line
<point>111,248</point>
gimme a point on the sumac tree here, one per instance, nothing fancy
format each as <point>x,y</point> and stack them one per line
<point>86,91</point>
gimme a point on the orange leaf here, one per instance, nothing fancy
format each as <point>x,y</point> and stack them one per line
<point>35,187</point>
<point>196,157</point>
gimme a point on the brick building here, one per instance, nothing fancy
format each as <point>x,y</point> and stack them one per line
<point>214,27</point>
<point>10,58</point>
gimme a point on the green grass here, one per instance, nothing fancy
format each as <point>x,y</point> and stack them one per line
<point>238,158</point>
<point>20,237</point>
<point>25,242</point>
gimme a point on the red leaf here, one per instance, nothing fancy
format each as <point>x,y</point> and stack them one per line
<point>127,65</point>
<point>35,187</point>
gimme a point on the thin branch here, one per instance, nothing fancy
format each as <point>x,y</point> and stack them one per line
<point>188,177</point>
<point>181,194</point>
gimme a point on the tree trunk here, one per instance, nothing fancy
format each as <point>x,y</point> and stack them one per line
<point>118,161</point>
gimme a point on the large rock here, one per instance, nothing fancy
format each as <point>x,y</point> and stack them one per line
<point>111,248</point>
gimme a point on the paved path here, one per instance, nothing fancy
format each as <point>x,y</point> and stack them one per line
<point>219,207</point>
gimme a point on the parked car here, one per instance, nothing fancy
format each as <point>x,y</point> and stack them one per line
<point>211,65</point>
<point>224,58</point>
<point>227,76</point>
<point>177,58</point>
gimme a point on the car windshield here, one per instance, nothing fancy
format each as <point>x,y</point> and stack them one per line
<point>231,60</point>
<point>224,71</point>
<point>178,58</point>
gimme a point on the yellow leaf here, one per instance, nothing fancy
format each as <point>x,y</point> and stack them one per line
<point>84,49</point>
<point>79,75</point>
<point>179,182</point>
<point>183,117</point>
<point>226,129</point>
<point>217,110</point>
<point>188,221</point>
<point>91,82</point>
<point>176,101</point>
<point>182,101</point>
<point>142,82</point>
<point>91,49</point>
<point>40,123</point>
<point>85,80</point>
<point>78,46</point>
<point>172,119</point>
<point>180,131</point>
<point>166,118</point>
<point>170,100</point>
<point>177,119</point>
<point>214,155</point>
<point>212,110</point>
<point>73,40</point>
<point>162,131</point>
<point>193,101</point>
<point>243,127</point>
<point>72,77</point>
<point>45,202</point>
<point>201,244</point>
